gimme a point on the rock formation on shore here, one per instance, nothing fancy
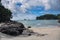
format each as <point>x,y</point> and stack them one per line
<point>8,26</point>
<point>59,21</point>
<point>12,28</point>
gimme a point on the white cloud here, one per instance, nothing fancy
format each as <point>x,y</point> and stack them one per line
<point>27,4</point>
<point>55,4</point>
<point>24,16</point>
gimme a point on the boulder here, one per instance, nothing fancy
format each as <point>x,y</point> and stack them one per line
<point>12,28</point>
<point>59,21</point>
<point>29,26</point>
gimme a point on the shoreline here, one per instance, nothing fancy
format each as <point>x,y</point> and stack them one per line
<point>52,34</point>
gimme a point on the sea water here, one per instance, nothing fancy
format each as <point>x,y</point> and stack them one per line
<point>40,23</point>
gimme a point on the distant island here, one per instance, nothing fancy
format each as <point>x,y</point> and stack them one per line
<point>48,17</point>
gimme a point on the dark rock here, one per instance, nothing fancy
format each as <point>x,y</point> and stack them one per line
<point>12,28</point>
<point>59,21</point>
<point>29,26</point>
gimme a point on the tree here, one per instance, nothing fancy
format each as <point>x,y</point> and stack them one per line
<point>5,14</point>
<point>47,17</point>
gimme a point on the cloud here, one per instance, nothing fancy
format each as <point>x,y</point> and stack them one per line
<point>19,7</point>
<point>48,4</point>
<point>55,4</point>
<point>11,4</point>
<point>23,16</point>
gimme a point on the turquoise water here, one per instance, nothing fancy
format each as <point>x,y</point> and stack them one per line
<point>40,23</point>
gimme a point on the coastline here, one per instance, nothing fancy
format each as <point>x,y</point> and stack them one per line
<point>52,34</point>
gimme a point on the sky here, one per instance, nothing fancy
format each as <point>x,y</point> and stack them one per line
<point>30,9</point>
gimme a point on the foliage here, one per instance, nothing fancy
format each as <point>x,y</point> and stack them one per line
<point>48,17</point>
<point>5,14</point>
<point>58,16</point>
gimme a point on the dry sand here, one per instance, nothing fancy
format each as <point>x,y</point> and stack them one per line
<point>52,34</point>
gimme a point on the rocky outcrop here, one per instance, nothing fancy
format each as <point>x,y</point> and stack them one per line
<point>59,21</point>
<point>12,28</point>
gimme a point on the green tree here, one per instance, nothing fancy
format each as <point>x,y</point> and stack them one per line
<point>5,14</point>
<point>47,17</point>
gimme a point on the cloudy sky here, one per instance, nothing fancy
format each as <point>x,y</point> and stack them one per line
<point>29,9</point>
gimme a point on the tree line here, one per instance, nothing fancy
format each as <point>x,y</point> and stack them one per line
<point>5,14</point>
<point>48,17</point>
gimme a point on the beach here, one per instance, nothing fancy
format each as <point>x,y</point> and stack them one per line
<point>49,34</point>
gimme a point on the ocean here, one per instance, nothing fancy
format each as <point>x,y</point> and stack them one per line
<point>40,23</point>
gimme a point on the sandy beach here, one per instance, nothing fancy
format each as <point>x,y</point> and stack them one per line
<point>51,34</point>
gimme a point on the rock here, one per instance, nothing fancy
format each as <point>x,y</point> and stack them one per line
<point>27,32</point>
<point>29,26</point>
<point>59,21</point>
<point>12,28</point>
